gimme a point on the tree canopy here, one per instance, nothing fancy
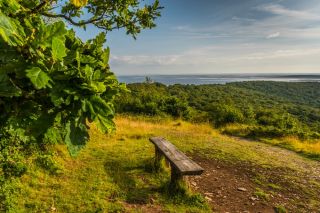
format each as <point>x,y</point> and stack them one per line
<point>51,82</point>
<point>104,14</point>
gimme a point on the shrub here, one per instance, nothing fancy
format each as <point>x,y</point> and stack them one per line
<point>221,114</point>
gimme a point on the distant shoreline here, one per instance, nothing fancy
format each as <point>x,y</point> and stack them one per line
<point>220,78</point>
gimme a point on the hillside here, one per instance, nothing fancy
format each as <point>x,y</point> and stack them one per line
<point>280,108</point>
<point>114,174</point>
<point>280,113</point>
<point>305,93</point>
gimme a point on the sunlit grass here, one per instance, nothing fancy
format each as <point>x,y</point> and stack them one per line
<point>308,147</point>
<point>114,172</point>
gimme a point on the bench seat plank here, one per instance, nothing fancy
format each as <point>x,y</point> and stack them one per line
<point>177,159</point>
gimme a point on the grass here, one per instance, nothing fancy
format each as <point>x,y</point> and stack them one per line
<point>114,173</point>
<point>261,194</point>
<point>274,186</point>
<point>280,209</point>
<point>309,147</point>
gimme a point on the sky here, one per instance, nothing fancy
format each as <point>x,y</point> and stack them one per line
<point>221,37</point>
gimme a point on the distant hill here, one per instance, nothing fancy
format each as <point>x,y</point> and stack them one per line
<point>305,93</point>
<point>272,109</point>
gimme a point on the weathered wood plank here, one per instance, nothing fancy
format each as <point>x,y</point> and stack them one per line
<point>177,159</point>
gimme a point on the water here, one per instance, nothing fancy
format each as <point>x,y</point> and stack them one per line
<point>221,78</point>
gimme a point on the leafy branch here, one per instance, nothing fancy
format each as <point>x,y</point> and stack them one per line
<point>72,21</point>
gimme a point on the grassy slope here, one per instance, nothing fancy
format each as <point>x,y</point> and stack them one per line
<point>308,147</point>
<point>114,172</point>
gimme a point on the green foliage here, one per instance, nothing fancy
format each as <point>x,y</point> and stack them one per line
<point>223,114</point>
<point>52,84</point>
<point>38,78</point>
<point>304,93</point>
<point>58,49</point>
<point>106,15</point>
<point>152,99</point>
<point>7,87</point>
<point>70,91</point>
<point>259,114</point>
<point>280,209</point>
<point>46,162</point>
<point>176,107</point>
<point>11,31</point>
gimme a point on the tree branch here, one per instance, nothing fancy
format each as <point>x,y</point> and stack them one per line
<point>40,6</point>
<point>69,19</point>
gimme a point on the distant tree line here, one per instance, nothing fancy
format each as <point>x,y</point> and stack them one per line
<point>261,109</point>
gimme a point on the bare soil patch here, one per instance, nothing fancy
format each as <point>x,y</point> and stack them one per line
<point>244,187</point>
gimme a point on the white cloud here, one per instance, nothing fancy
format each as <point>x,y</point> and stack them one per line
<point>220,55</point>
<point>282,11</point>
<point>181,28</point>
<point>236,30</point>
<point>273,35</point>
<point>289,24</point>
<point>282,54</point>
<point>241,19</point>
<point>145,59</point>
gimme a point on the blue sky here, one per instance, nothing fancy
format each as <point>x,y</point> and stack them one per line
<point>222,36</point>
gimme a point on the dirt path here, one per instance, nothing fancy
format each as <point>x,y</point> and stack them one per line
<point>245,187</point>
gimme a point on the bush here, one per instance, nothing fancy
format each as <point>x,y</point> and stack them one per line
<point>266,132</point>
<point>221,114</point>
<point>176,107</point>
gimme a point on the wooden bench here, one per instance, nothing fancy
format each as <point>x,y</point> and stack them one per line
<point>180,164</point>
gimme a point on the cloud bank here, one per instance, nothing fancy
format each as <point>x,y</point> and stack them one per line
<point>273,38</point>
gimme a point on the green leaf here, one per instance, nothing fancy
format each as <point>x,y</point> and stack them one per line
<point>38,78</point>
<point>58,49</point>
<point>10,31</point>
<point>76,136</point>
<point>12,6</point>
<point>88,71</point>
<point>7,87</point>
<point>49,32</point>
<point>41,123</point>
<point>105,56</point>
<point>86,59</point>
<point>98,87</point>
<point>104,124</point>
<point>78,59</point>
<point>99,39</point>
<point>101,107</point>
<point>7,53</point>
<point>102,113</point>
<point>99,75</point>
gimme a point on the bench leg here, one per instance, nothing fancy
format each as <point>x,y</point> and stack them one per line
<point>158,159</point>
<point>177,180</point>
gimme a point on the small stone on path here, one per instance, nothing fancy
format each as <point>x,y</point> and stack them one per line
<point>208,198</point>
<point>208,193</point>
<point>193,183</point>
<point>242,189</point>
<point>253,198</point>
